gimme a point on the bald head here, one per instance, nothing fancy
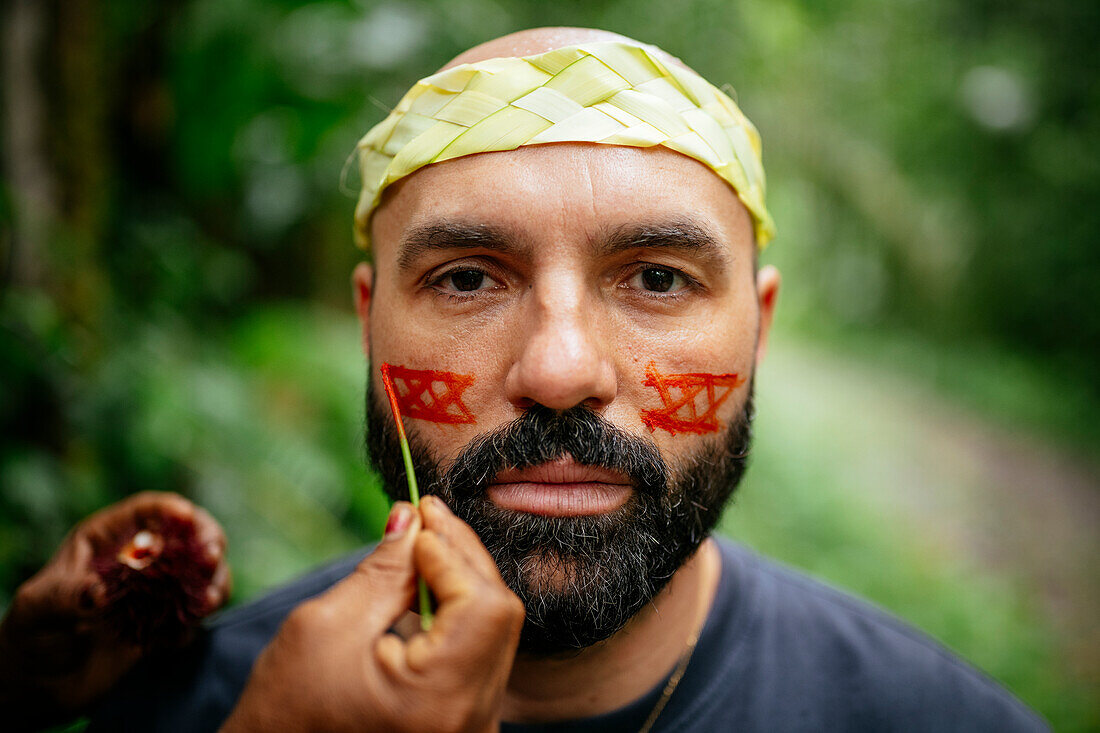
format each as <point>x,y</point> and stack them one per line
<point>540,40</point>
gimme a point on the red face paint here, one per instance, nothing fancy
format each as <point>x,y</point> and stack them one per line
<point>680,393</point>
<point>426,394</point>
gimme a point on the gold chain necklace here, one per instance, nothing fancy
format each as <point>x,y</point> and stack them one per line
<point>682,665</point>
<point>670,686</point>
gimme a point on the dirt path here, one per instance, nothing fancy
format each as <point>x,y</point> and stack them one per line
<point>1003,497</point>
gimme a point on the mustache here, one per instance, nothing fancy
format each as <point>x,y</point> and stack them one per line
<point>541,435</point>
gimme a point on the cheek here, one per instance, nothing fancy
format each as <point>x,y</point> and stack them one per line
<point>440,409</point>
<point>692,381</point>
<point>443,380</point>
<point>431,395</point>
<point>690,402</point>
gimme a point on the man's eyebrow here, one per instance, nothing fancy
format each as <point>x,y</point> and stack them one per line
<point>685,236</point>
<point>439,235</point>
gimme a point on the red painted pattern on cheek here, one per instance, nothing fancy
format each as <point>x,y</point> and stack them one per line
<point>679,393</point>
<point>426,394</point>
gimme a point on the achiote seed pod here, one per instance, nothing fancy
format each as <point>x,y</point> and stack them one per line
<point>157,578</point>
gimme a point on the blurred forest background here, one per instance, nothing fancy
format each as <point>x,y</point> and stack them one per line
<point>175,245</point>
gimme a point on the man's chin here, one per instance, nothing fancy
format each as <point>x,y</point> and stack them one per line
<point>546,567</point>
<point>580,577</point>
<point>544,575</point>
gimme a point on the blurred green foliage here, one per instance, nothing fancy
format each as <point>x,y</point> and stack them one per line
<point>175,307</point>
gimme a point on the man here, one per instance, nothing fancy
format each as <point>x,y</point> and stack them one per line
<point>564,227</point>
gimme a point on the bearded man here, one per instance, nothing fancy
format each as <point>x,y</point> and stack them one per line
<point>563,226</point>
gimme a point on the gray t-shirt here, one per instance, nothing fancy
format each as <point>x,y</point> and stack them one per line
<point>779,652</point>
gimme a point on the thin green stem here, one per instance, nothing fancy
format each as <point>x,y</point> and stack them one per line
<point>410,475</point>
<point>426,615</point>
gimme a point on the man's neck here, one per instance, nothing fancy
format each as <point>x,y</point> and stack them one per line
<point>610,675</point>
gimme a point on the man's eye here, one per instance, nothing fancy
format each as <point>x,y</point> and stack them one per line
<point>464,281</point>
<point>659,280</point>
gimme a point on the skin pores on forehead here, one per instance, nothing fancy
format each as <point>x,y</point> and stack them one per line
<point>563,317</point>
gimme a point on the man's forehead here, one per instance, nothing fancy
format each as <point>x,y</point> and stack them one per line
<point>603,195</point>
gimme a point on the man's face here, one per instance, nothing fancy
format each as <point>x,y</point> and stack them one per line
<point>569,296</point>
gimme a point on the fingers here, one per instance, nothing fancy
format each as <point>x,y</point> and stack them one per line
<point>478,618</point>
<point>148,509</point>
<point>89,589</point>
<point>209,535</point>
<point>381,587</point>
<point>150,506</point>
<point>217,593</point>
<point>449,576</point>
<point>66,588</point>
<point>439,518</point>
<point>454,562</point>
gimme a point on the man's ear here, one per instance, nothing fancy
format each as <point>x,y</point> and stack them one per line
<point>767,290</point>
<point>362,278</point>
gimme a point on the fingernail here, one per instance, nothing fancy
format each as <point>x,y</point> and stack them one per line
<point>399,521</point>
<point>436,503</point>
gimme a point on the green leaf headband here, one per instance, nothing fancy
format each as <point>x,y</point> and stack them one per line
<point>612,93</point>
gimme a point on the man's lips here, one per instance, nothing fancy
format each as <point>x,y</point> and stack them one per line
<point>560,488</point>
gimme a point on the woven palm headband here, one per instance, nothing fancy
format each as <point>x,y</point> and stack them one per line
<point>612,93</point>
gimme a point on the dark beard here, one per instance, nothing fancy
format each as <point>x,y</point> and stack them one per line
<point>581,578</point>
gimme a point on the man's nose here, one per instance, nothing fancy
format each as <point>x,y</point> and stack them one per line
<point>563,360</point>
